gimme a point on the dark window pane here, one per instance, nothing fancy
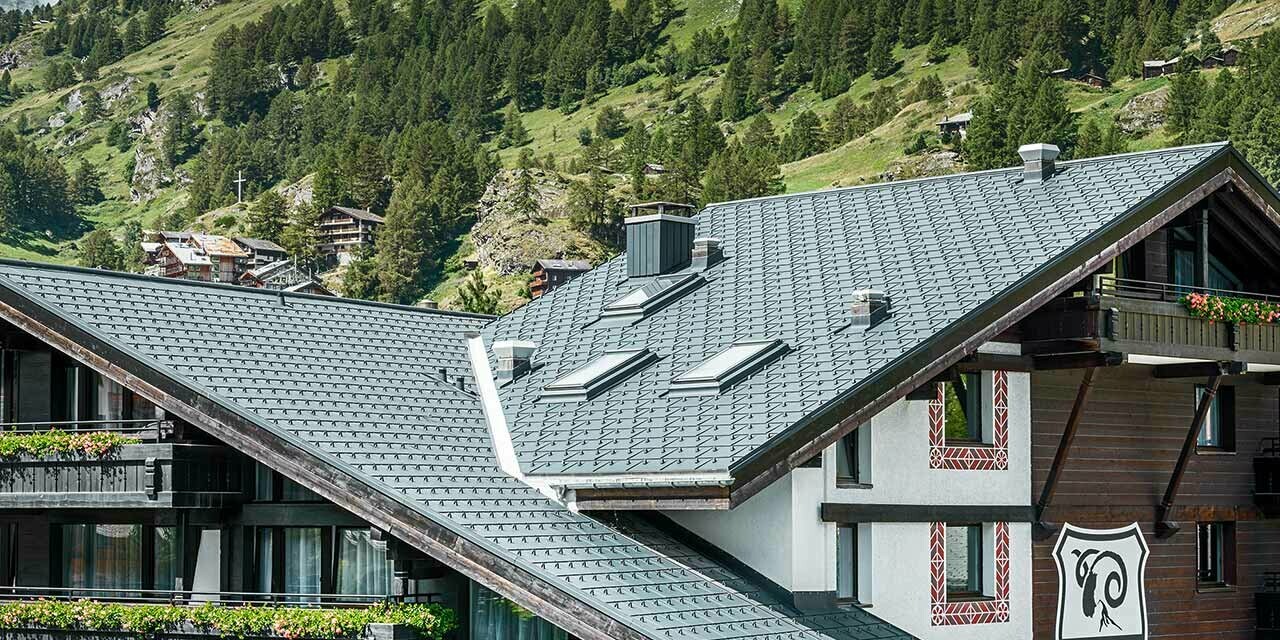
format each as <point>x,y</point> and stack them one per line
<point>266,546</point>
<point>302,560</point>
<point>104,556</point>
<point>165,576</point>
<point>847,458</point>
<point>964,559</point>
<point>847,563</point>
<point>963,417</point>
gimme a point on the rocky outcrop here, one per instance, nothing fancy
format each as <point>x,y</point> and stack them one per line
<point>1144,112</point>
<point>75,100</point>
<point>938,163</point>
<point>508,241</point>
<point>117,90</point>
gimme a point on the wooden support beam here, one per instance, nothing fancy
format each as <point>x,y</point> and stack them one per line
<point>1079,361</point>
<point>1041,530</point>
<point>1165,527</point>
<point>1199,369</point>
<point>1052,347</point>
<point>995,362</point>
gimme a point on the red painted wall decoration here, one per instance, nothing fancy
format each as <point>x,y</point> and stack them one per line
<point>985,611</point>
<point>994,457</point>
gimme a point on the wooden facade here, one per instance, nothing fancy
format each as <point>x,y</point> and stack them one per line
<point>1124,453</point>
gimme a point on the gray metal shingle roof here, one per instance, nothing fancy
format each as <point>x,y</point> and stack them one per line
<point>940,248</point>
<point>360,384</point>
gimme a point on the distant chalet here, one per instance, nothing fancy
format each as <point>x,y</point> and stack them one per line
<point>344,231</point>
<point>549,274</point>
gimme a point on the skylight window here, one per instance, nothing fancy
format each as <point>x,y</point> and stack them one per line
<point>598,375</point>
<point>649,297</point>
<point>721,370</point>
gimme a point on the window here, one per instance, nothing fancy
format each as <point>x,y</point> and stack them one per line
<point>363,565</point>
<point>270,486</point>
<point>1215,554</point>
<point>102,556</point>
<point>847,563</point>
<point>164,567</point>
<point>648,298</point>
<point>289,560</point>
<point>853,458</point>
<point>731,364</point>
<point>964,560</point>
<point>1218,430</point>
<point>598,375</point>
<point>963,405</point>
<point>496,618</point>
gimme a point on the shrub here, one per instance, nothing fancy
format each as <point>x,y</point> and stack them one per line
<point>47,443</point>
<point>1228,309</point>
<point>430,621</point>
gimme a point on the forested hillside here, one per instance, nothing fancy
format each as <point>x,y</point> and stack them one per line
<point>122,115</point>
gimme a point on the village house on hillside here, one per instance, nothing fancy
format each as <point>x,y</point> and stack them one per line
<point>344,231</point>
<point>549,274</point>
<point>206,257</point>
<point>284,275</point>
<point>1004,405</point>
<point>957,125</point>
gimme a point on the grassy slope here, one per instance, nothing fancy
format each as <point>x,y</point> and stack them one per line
<point>180,62</point>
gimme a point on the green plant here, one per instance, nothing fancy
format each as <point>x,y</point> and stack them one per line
<point>1227,309</point>
<point>46,443</point>
<point>430,621</point>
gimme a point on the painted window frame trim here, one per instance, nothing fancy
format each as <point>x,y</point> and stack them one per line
<point>993,457</point>
<point>986,611</point>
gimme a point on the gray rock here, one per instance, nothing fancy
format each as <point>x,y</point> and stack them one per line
<point>1144,112</point>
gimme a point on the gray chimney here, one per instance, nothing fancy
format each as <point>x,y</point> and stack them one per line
<point>658,243</point>
<point>706,253</point>
<point>514,358</point>
<point>868,307</point>
<point>1037,161</point>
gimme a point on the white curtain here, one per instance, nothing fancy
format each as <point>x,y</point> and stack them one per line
<point>363,566</point>
<point>104,556</point>
<point>302,560</point>
<point>496,618</point>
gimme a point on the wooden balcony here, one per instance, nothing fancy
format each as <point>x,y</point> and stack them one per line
<point>1149,319</point>
<point>152,472</point>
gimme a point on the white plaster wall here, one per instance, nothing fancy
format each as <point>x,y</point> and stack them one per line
<point>900,472</point>
<point>777,532</point>
<point>900,587</point>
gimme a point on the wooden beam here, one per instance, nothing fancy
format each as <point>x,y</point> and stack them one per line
<point>1165,527</point>
<point>1054,347</point>
<point>1079,361</point>
<point>995,362</point>
<point>845,513</point>
<point>1064,450</point>
<point>1199,369</point>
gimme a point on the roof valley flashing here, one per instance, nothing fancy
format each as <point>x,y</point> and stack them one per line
<point>557,487</point>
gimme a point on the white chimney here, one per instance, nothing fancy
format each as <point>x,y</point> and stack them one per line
<point>514,358</point>
<point>1037,161</point>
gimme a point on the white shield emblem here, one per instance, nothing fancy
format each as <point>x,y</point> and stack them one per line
<point>1101,583</point>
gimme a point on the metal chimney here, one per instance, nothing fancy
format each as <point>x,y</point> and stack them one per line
<point>514,359</point>
<point>658,243</point>
<point>868,307</point>
<point>1037,161</point>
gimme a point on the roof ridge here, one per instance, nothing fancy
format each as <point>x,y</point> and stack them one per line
<point>953,176</point>
<point>227,286</point>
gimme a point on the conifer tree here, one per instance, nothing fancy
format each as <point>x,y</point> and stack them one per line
<point>300,238</point>
<point>880,57</point>
<point>477,297</point>
<point>401,244</point>
<point>99,250</point>
<point>268,216</point>
<point>131,253</point>
<point>86,184</point>
<point>938,49</point>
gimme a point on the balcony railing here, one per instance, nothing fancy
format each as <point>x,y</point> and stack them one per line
<point>1145,318</point>
<point>145,429</point>
<point>1109,285</point>
<point>220,598</point>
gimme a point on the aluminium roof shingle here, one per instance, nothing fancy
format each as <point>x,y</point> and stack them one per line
<point>361,385</point>
<point>939,248</point>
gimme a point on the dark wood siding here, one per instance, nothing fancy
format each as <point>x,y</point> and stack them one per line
<point>1124,454</point>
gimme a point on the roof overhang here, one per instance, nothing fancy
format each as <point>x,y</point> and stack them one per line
<point>332,479</point>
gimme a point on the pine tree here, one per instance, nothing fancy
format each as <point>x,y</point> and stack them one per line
<point>6,88</point>
<point>513,132</point>
<point>99,250</point>
<point>91,109</point>
<point>524,200</point>
<point>1186,93</point>
<point>268,216</point>
<point>938,49</point>
<point>179,135</point>
<point>401,244</point>
<point>880,57</point>
<point>804,138</point>
<point>300,238</point>
<point>132,255</point>
<point>360,278</point>
<point>477,297</point>
<point>153,95</point>
<point>86,184</point>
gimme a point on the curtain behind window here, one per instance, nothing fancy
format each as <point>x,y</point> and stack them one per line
<point>363,566</point>
<point>496,618</point>
<point>104,556</point>
<point>302,560</point>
